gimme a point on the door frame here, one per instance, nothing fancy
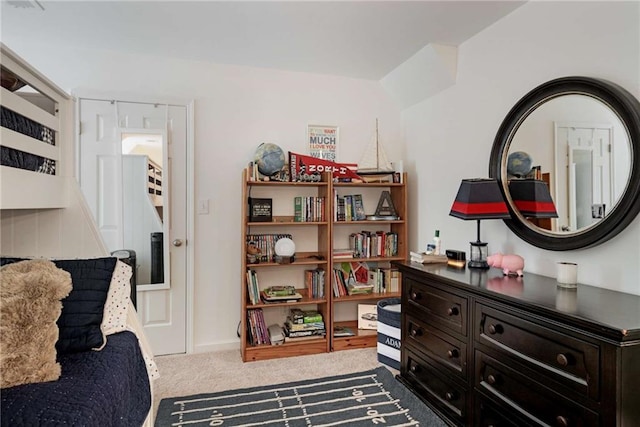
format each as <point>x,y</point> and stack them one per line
<point>189,104</point>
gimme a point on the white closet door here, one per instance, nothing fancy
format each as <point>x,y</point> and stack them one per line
<point>161,306</point>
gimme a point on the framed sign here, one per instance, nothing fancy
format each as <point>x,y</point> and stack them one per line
<point>260,210</point>
<point>323,141</point>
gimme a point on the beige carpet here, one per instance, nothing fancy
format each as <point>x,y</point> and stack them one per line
<point>183,375</point>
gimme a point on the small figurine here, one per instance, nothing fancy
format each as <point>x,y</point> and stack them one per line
<point>253,253</point>
<point>510,264</point>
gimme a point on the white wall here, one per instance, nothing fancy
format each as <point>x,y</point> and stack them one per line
<point>449,136</point>
<point>236,109</point>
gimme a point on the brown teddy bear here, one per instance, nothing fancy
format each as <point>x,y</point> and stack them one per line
<point>253,253</point>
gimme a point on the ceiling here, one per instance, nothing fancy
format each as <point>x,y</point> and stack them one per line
<point>360,39</point>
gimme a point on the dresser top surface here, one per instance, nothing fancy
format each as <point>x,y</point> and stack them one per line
<point>601,310</point>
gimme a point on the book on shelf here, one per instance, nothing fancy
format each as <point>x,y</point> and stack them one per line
<point>314,282</point>
<point>340,212</point>
<point>257,331</point>
<point>425,258</point>
<point>339,283</point>
<point>391,279</point>
<point>280,291</point>
<point>367,316</point>
<point>298,315</point>
<point>297,209</point>
<point>283,298</point>
<point>367,244</point>
<point>348,207</point>
<point>358,208</point>
<point>342,253</point>
<point>359,288</point>
<point>296,327</point>
<point>309,209</point>
<point>297,334</point>
<point>342,331</point>
<point>298,339</point>
<point>253,287</point>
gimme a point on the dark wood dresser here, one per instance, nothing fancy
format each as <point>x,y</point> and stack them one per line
<point>486,350</point>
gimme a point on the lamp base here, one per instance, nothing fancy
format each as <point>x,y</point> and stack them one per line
<point>478,258</point>
<point>478,264</point>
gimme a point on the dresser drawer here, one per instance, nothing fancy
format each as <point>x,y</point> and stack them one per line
<point>443,348</point>
<point>437,306</point>
<point>540,404</point>
<point>567,360</point>
<point>488,415</point>
<point>434,386</point>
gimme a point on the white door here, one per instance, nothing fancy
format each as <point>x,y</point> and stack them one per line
<point>586,150</point>
<point>138,194</point>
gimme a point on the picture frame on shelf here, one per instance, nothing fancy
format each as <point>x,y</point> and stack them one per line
<point>368,316</point>
<point>323,141</point>
<point>260,209</point>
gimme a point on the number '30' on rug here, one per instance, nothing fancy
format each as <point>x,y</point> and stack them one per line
<point>362,399</point>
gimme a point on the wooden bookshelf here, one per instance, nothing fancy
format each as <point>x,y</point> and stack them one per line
<point>324,236</point>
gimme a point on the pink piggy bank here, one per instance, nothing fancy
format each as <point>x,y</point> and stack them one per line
<point>510,264</point>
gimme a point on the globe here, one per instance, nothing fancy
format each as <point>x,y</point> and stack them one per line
<point>519,164</point>
<point>269,158</point>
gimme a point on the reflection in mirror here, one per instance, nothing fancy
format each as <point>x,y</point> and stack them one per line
<point>580,148</point>
<point>583,135</point>
<point>143,203</point>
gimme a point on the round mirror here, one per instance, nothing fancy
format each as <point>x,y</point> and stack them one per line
<point>576,140</point>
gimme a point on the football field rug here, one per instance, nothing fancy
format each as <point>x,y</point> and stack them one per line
<point>367,398</point>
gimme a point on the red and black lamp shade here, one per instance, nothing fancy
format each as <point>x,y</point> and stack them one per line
<point>532,198</point>
<point>479,198</point>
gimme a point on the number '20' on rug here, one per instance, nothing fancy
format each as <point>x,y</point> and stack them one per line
<point>360,399</point>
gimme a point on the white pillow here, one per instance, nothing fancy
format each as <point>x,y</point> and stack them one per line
<point>114,319</point>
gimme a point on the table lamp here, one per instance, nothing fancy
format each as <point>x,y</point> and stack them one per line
<point>532,198</point>
<point>479,198</point>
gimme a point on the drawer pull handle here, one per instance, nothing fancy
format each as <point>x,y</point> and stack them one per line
<point>415,368</point>
<point>563,359</point>
<point>450,396</point>
<point>453,353</point>
<point>416,295</point>
<point>491,379</point>
<point>453,311</point>
<point>416,332</point>
<point>562,421</point>
<point>495,329</point>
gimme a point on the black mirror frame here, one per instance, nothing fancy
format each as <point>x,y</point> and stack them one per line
<point>627,107</point>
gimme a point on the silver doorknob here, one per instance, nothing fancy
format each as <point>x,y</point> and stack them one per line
<point>177,242</point>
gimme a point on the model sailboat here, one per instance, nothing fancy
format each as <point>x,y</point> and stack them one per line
<point>374,163</point>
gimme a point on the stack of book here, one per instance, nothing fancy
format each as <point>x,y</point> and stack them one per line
<point>304,324</point>
<point>280,294</point>
<point>345,253</point>
<point>359,288</point>
<point>424,258</point>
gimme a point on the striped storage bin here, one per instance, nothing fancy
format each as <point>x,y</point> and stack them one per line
<point>389,332</point>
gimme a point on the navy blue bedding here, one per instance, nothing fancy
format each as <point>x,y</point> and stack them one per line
<point>97,388</point>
